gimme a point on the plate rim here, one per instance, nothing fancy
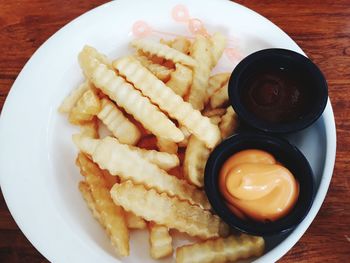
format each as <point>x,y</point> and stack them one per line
<point>273,255</point>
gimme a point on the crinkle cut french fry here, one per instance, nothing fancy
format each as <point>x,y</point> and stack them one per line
<point>214,112</point>
<point>181,44</point>
<point>167,146</point>
<point>128,98</point>
<point>168,211</point>
<point>216,82</point>
<point>221,250</point>
<point>103,131</point>
<point>162,159</point>
<point>69,101</point>
<point>187,135</point>
<point>90,128</point>
<point>168,101</point>
<point>215,115</point>
<point>118,124</point>
<point>110,180</point>
<point>86,107</point>
<point>135,222</point>
<point>215,120</point>
<point>161,72</point>
<point>220,97</point>
<point>92,52</point>
<point>200,51</point>
<point>164,51</point>
<point>229,123</point>
<point>160,241</point>
<point>85,144</point>
<point>219,42</point>
<point>112,216</point>
<point>180,80</point>
<point>89,102</point>
<point>86,193</point>
<point>132,221</point>
<point>196,157</point>
<point>120,160</point>
<point>165,41</point>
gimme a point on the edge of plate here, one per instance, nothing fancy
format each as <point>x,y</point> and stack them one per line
<point>291,240</point>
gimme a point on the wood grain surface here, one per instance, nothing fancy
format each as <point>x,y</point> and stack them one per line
<point>321,28</point>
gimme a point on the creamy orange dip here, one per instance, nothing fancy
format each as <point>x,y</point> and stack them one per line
<point>255,185</point>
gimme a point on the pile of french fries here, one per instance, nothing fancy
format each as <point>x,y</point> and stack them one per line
<point>164,113</point>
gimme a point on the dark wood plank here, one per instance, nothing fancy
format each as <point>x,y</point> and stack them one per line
<point>321,28</point>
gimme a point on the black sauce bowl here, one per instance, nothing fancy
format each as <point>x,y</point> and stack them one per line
<point>293,68</point>
<point>286,154</point>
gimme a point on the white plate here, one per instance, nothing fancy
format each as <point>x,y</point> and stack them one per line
<point>38,175</point>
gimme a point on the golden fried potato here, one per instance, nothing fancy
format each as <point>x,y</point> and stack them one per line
<point>111,215</point>
<point>221,250</point>
<point>168,101</point>
<point>132,221</point>
<point>161,72</point>
<point>200,51</point>
<point>123,129</point>
<point>120,160</point>
<point>86,193</point>
<point>163,51</point>
<point>78,118</point>
<point>187,135</point>
<point>220,97</point>
<point>181,44</point>
<point>160,241</point>
<point>214,112</point>
<point>180,80</point>
<point>86,107</point>
<point>128,98</point>
<point>110,180</point>
<point>229,123</point>
<point>167,146</point>
<point>135,222</point>
<point>90,128</point>
<point>215,119</point>
<point>69,101</point>
<point>93,53</point>
<point>219,43</point>
<point>196,157</point>
<point>166,41</point>
<point>215,115</point>
<point>216,82</point>
<point>162,159</point>
<point>168,211</point>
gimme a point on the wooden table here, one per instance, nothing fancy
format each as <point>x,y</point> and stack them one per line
<point>321,28</point>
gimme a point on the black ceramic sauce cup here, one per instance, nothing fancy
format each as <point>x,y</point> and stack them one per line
<point>286,154</point>
<point>277,91</point>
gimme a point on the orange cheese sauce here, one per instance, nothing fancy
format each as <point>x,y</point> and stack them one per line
<point>254,185</point>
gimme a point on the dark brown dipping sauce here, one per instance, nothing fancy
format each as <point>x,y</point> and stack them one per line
<point>276,96</point>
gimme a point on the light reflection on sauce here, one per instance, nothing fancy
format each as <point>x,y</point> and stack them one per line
<point>254,185</point>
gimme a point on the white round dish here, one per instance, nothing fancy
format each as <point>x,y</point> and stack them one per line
<point>37,172</point>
